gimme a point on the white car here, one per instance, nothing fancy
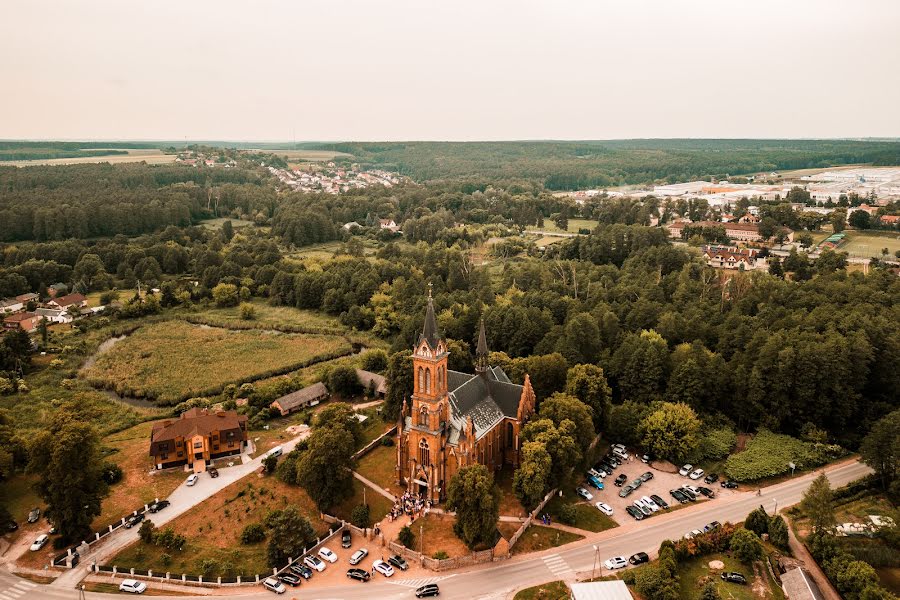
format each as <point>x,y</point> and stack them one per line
<point>650,503</point>
<point>617,446</point>
<point>192,479</point>
<point>616,562</point>
<point>326,554</point>
<point>584,493</point>
<point>620,453</point>
<point>691,489</point>
<point>383,568</point>
<point>605,508</point>
<point>314,563</point>
<point>597,474</point>
<point>132,586</point>
<point>358,556</point>
<point>274,585</point>
<point>40,542</point>
<point>683,471</point>
<point>696,474</point>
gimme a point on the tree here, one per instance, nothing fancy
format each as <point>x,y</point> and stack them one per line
<point>830,261</point>
<point>227,230</point>
<point>253,533</point>
<point>73,496</point>
<point>531,479</point>
<point>880,449</point>
<point>640,366</point>
<point>818,505</point>
<point>341,414</point>
<point>860,219</point>
<point>746,546</point>
<point>375,360</point>
<point>671,431</point>
<point>560,442</point>
<point>853,576</point>
<point>270,464</point>
<point>342,380</point>
<point>654,583</point>
<point>324,470</point>
<point>359,516</point>
<point>476,500</point>
<point>778,532</point>
<point>147,531</point>
<point>838,219</point>
<point>399,382</point>
<point>406,536</point>
<point>625,421</point>
<point>248,311</point>
<point>588,384</point>
<point>757,521</point>
<point>562,407</point>
<point>89,271</point>
<point>225,294</point>
<point>710,592</point>
<point>290,533</point>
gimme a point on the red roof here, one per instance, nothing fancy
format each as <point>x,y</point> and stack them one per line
<point>69,300</point>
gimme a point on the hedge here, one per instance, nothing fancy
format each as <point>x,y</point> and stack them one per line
<point>769,454</point>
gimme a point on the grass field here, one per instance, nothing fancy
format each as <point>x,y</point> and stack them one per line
<point>574,226</point>
<point>509,504</point>
<point>213,530</point>
<point>586,515</point>
<point>694,573</point>
<point>150,156</point>
<point>284,318</point>
<point>380,467</point>
<point>174,360</point>
<point>379,506</point>
<point>555,590</point>
<point>434,533</point>
<point>216,224</point>
<point>538,537</point>
<point>870,243</point>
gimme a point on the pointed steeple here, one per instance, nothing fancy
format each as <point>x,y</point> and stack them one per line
<point>481,351</point>
<point>430,331</point>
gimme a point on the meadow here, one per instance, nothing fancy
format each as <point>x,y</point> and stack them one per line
<point>150,156</point>
<point>280,318</point>
<point>172,361</point>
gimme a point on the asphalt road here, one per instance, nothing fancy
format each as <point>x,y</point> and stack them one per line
<point>496,581</point>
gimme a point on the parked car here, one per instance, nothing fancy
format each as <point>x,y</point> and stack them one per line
<point>689,494</point>
<point>595,473</point>
<point>733,577</point>
<point>707,492</point>
<point>595,482</point>
<point>584,493</point>
<point>326,554</point>
<point>346,541</point>
<point>358,574</point>
<point>605,508</point>
<point>649,503</point>
<point>679,495</point>
<point>427,590</point>
<point>314,563</point>
<point>40,542</point>
<point>659,501</point>
<point>731,485</point>
<point>383,568</point>
<point>613,460</point>
<point>639,558</point>
<point>192,480</point>
<point>692,534</point>
<point>625,491</point>
<point>683,471</point>
<point>696,474</point>
<point>692,489</point>
<point>158,506</point>
<point>641,507</point>
<point>616,562</point>
<point>634,512</point>
<point>620,453</point>
<point>132,586</point>
<point>712,526</point>
<point>647,476</point>
<point>34,515</point>
<point>273,585</point>
<point>213,472</point>
<point>358,556</point>
<point>711,478</point>
<point>290,579</point>
<point>637,483</point>
<point>621,479</point>
<point>645,458</point>
<point>399,562</point>
<point>133,520</point>
<point>276,452</point>
<point>301,570</point>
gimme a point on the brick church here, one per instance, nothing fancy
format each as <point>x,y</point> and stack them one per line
<point>457,419</point>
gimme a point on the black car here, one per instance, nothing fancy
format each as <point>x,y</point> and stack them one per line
<point>659,501</point>
<point>613,460</point>
<point>358,574</point>
<point>430,589</point>
<point>301,570</point>
<point>679,495</point>
<point>634,512</point>
<point>639,558</point>
<point>733,577</point>
<point>647,476</point>
<point>34,515</point>
<point>213,472</point>
<point>133,520</point>
<point>291,580</point>
<point>158,506</point>
<point>706,492</point>
<point>713,525</point>
<point>711,478</point>
<point>398,562</point>
<point>731,485</point>
<point>345,538</point>
<point>620,480</point>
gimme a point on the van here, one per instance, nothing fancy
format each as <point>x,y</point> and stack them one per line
<point>274,585</point>
<point>276,452</point>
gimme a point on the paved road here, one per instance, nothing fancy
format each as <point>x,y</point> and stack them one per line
<point>495,581</point>
<point>182,499</point>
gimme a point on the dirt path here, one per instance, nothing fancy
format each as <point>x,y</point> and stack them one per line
<point>801,553</point>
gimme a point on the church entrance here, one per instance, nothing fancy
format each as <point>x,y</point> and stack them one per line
<point>423,490</point>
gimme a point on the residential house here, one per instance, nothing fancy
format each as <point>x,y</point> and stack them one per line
<point>388,224</point>
<point>600,590</point>
<point>730,257</point>
<point>308,396</point>
<point>11,306</point>
<point>26,321</point>
<point>890,220</point>
<point>26,298</point>
<point>54,315</point>
<point>369,380</point>
<point>748,218</point>
<point>69,300</point>
<point>197,437</point>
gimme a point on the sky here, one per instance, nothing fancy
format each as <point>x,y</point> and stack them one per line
<point>266,70</point>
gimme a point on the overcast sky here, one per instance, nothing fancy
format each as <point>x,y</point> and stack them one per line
<point>457,70</point>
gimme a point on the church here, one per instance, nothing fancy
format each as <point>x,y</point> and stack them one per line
<point>456,419</point>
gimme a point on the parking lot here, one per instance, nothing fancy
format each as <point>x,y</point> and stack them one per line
<point>665,478</point>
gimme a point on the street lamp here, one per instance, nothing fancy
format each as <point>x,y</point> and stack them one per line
<point>775,500</point>
<point>594,569</point>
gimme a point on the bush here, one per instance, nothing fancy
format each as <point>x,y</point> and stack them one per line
<point>270,463</point>
<point>746,546</point>
<point>440,555</point>
<point>778,532</point>
<point>769,455</point>
<point>717,540</point>
<point>359,516</point>
<point>248,311</point>
<point>147,531</point>
<point>343,381</point>
<point>112,473</point>
<point>757,521</point>
<point>253,533</point>
<point>387,441</point>
<point>717,444</point>
<point>406,537</point>
<point>375,361</point>
<point>567,514</point>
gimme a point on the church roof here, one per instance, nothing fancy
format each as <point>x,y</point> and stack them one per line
<point>488,399</point>
<point>482,348</point>
<point>430,330</point>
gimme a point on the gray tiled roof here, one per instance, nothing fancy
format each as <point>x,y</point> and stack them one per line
<point>487,399</point>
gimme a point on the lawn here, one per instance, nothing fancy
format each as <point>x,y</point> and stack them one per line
<point>694,573</point>
<point>509,504</point>
<point>379,506</point>
<point>282,318</point>
<point>380,467</point>
<point>316,251</point>
<point>574,226</point>
<point>172,361</point>
<point>434,533</point>
<point>213,530</point>
<point>586,515</point>
<point>18,495</point>
<point>538,537</point>
<point>216,224</point>
<point>870,243</point>
<point>555,590</point>
<point>93,298</point>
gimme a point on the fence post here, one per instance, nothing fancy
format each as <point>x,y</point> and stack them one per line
<point>257,578</point>
<point>167,575</point>
<point>110,528</point>
<point>149,573</point>
<point>219,581</point>
<point>123,521</point>
<point>183,577</point>
<point>98,537</point>
<point>115,569</point>
<point>132,570</point>
<point>200,579</point>
<point>239,580</point>
<point>68,552</point>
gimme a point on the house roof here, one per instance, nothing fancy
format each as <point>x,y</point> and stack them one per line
<point>600,590</point>
<point>69,300</point>
<point>301,397</point>
<point>196,421</point>
<point>19,317</point>
<point>367,377</point>
<point>487,398</point>
<point>48,312</point>
<point>798,585</point>
<point>27,297</point>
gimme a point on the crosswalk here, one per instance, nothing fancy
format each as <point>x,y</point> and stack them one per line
<point>415,583</point>
<point>558,566</point>
<point>18,591</point>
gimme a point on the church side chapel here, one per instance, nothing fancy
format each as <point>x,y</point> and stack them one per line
<point>454,419</point>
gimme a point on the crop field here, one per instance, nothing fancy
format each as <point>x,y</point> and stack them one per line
<point>213,531</point>
<point>174,360</point>
<point>150,156</point>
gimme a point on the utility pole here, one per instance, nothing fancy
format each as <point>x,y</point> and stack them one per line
<point>594,569</point>
<point>421,539</point>
<point>776,506</point>
<point>364,496</point>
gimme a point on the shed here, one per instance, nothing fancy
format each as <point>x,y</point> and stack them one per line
<point>309,395</point>
<point>799,585</point>
<point>601,590</point>
<point>367,379</point>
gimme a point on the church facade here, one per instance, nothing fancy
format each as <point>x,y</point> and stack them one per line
<point>455,419</point>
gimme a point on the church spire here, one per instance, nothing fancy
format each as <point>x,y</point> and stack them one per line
<point>481,352</point>
<point>430,331</point>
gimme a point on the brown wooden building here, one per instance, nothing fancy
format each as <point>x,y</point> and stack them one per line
<point>197,437</point>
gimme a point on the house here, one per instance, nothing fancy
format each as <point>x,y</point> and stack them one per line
<point>26,321</point>
<point>369,380</point>
<point>54,315</point>
<point>308,396</point>
<point>730,257</point>
<point>11,306</point>
<point>748,218</point>
<point>600,590</point>
<point>799,585</point>
<point>197,437</point>
<point>388,224</point>
<point>350,225</point>
<point>890,220</point>
<point>26,298</point>
<point>64,302</point>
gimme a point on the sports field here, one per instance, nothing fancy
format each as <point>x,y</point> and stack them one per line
<point>870,243</point>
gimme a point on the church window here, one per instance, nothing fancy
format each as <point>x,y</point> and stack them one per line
<point>424,454</point>
<point>423,417</point>
<point>427,381</point>
<point>509,435</point>
<point>421,379</point>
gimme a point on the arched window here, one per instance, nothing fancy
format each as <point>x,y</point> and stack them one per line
<point>509,435</point>
<point>421,379</point>
<point>440,379</point>
<point>424,454</point>
<point>427,381</point>
<point>423,416</point>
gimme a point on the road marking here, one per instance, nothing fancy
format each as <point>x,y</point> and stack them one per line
<point>414,583</point>
<point>557,565</point>
<point>26,584</point>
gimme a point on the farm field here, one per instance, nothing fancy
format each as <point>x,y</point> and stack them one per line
<point>870,243</point>
<point>150,156</point>
<point>213,531</point>
<point>172,361</point>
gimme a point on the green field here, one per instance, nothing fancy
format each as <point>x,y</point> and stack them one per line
<point>174,360</point>
<point>587,516</point>
<point>574,226</point>
<point>283,318</point>
<point>216,224</point>
<point>870,243</point>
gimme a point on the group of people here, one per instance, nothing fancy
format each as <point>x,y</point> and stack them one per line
<point>409,504</point>
<point>545,519</point>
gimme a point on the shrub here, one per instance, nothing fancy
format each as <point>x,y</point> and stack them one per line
<point>710,592</point>
<point>253,533</point>
<point>147,532</point>
<point>653,582</point>
<point>567,514</point>
<point>769,455</point>
<point>757,521</point>
<point>270,463</point>
<point>209,567</point>
<point>406,537</point>
<point>716,540</point>
<point>778,532</point>
<point>375,361</point>
<point>359,516</point>
<point>387,441</point>
<point>112,473</point>
<point>746,546</point>
<point>166,559</point>
<point>248,311</point>
<point>717,444</point>
<point>440,555</point>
